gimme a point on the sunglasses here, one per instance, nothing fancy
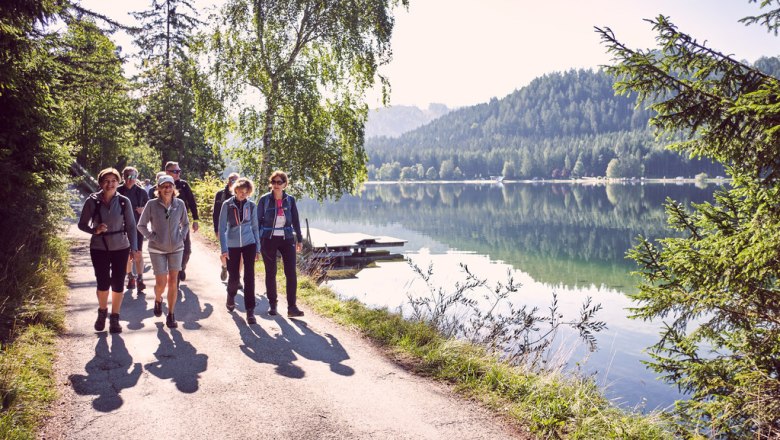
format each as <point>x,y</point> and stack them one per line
<point>278,182</point>
<point>173,171</point>
<point>131,176</point>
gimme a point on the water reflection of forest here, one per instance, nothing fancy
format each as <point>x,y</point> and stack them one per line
<point>560,234</point>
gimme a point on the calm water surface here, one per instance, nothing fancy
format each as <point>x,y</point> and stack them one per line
<point>566,239</point>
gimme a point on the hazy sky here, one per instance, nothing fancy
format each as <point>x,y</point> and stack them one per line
<point>463,52</point>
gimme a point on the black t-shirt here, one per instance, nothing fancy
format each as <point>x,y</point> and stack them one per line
<point>138,197</point>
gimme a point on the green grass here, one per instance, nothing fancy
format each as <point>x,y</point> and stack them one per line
<point>550,405</point>
<point>26,358</point>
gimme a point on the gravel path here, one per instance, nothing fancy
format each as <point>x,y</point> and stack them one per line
<point>215,377</point>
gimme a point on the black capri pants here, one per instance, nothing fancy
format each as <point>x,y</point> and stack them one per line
<point>110,268</point>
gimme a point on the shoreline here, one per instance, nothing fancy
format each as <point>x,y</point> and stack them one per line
<point>585,181</point>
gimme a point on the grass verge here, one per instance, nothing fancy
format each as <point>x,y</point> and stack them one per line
<point>551,405</point>
<point>27,356</point>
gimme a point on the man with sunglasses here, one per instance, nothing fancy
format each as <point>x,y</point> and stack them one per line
<point>185,193</point>
<point>138,198</point>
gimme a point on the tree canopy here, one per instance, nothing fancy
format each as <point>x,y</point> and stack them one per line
<point>307,65</point>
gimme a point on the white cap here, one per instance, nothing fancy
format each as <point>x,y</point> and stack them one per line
<point>165,179</point>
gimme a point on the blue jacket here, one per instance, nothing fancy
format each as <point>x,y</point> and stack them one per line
<point>267,215</point>
<point>235,233</point>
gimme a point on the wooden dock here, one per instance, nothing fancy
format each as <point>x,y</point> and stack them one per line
<point>341,246</point>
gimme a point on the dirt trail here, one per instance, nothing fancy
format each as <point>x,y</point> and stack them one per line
<point>215,377</point>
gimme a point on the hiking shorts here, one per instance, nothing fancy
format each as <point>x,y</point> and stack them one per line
<point>164,263</point>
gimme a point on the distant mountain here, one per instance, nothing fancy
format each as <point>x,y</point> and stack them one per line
<point>396,120</point>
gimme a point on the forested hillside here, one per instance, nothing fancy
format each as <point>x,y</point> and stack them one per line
<point>561,125</point>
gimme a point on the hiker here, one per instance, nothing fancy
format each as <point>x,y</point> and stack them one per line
<point>108,216</point>
<point>185,194</point>
<point>219,199</point>
<point>169,227</point>
<point>238,239</point>
<point>138,198</point>
<point>280,230</point>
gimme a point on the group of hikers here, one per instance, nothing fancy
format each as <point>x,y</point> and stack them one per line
<point>122,214</point>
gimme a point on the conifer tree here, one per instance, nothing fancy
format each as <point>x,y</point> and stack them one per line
<point>170,85</point>
<point>717,288</point>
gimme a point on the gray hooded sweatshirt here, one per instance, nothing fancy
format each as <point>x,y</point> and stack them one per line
<point>169,226</point>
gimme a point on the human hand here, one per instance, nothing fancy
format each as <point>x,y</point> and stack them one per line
<point>224,257</point>
<point>194,226</point>
<point>257,256</point>
<point>101,228</point>
<point>298,247</point>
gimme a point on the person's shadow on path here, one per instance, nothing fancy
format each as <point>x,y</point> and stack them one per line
<point>134,308</point>
<point>177,360</point>
<point>138,307</point>
<point>266,349</point>
<point>188,309</point>
<point>316,347</point>
<point>108,373</point>
<point>280,349</point>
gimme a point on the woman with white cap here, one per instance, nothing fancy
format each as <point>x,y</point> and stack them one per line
<point>169,226</point>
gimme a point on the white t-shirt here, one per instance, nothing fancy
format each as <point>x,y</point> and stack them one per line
<point>279,223</point>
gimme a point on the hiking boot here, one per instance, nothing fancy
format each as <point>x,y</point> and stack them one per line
<point>141,285</point>
<point>130,282</point>
<point>170,321</point>
<point>182,275</point>
<point>230,303</point>
<point>272,310</point>
<point>157,308</point>
<point>223,274</point>
<point>100,323</point>
<point>294,312</point>
<point>113,323</point>
<point>250,317</point>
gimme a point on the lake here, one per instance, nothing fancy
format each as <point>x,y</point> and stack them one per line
<point>567,239</point>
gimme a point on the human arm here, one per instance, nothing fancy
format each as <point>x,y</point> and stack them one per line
<point>216,210</point>
<point>192,204</point>
<point>85,219</point>
<point>144,200</point>
<point>296,223</point>
<point>185,220</point>
<point>223,226</point>
<point>130,227</point>
<point>143,222</point>
<point>256,232</point>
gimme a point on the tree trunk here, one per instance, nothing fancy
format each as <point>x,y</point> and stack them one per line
<point>270,115</point>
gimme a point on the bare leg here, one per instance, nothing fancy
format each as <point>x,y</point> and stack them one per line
<point>173,289</point>
<point>116,301</point>
<point>102,296</point>
<point>129,268</point>
<point>160,281</point>
<point>139,264</point>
